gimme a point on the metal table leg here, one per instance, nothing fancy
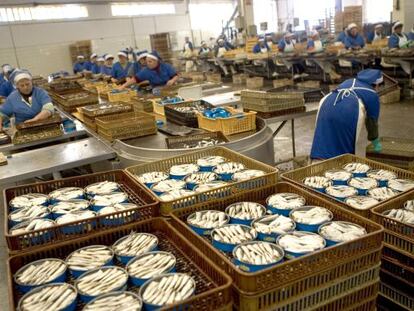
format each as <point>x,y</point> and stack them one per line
<point>279,128</point>
<point>293,138</point>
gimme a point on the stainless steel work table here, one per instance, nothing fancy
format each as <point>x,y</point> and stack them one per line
<point>29,164</point>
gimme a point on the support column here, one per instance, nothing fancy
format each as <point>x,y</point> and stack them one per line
<point>246,10</point>
<point>403,10</point>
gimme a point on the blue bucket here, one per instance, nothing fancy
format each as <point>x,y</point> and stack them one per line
<point>25,288</point>
<point>151,307</point>
<point>124,259</point>
<point>138,281</point>
<point>87,298</point>
<point>308,227</point>
<point>77,273</point>
<point>70,307</point>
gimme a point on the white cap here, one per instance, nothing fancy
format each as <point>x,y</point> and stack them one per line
<point>379,80</point>
<point>108,56</point>
<point>352,25</point>
<point>397,24</point>
<point>80,57</point>
<point>93,55</point>
<point>100,59</point>
<point>142,55</point>
<point>149,55</point>
<point>122,53</point>
<point>220,40</point>
<point>7,68</point>
<point>377,26</point>
<point>22,75</point>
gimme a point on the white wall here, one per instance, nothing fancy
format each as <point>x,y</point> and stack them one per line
<point>44,47</point>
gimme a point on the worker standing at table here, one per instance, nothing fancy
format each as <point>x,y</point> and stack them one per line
<point>221,48</point>
<point>203,55</point>
<point>262,48</point>
<point>157,73</point>
<point>346,115</point>
<point>315,45</point>
<point>398,40</point>
<point>107,68</point>
<point>120,68</point>
<point>5,70</point>
<point>92,64</point>
<point>100,62</point>
<point>27,103</point>
<point>342,35</point>
<point>7,87</point>
<point>287,46</point>
<point>377,34</point>
<point>269,41</point>
<point>80,65</point>
<point>188,53</point>
<point>137,66</point>
<point>354,40</point>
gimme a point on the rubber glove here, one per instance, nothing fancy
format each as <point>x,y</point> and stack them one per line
<point>377,145</point>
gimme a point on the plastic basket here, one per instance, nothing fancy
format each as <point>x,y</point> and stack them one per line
<point>289,271</point>
<point>52,120</point>
<point>277,113</point>
<point>192,140</point>
<point>200,199</point>
<point>395,151</point>
<point>77,99</point>
<point>309,95</point>
<point>398,270</point>
<point>312,84</point>
<point>181,118</point>
<point>147,207</point>
<point>126,125</point>
<point>254,83</point>
<point>212,285</point>
<point>282,82</point>
<point>141,104</point>
<point>25,136</point>
<point>213,77</point>
<point>397,291</point>
<point>239,79</point>
<point>391,97</point>
<point>297,176</point>
<point>122,96</point>
<point>237,123</point>
<point>399,243</point>
<point>104,109</point>
<point>270,102</point>
<point>402,230</point>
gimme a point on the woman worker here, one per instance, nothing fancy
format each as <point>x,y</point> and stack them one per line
<point>287,45</point>
<point>262,48</point>
<point>107,67</point>
<point>5,70</point>
<point>92,64</point>
<point>141,62</point>
<point>157,73</point>
<point>220,50</point>
<point>80,65</point>
<point>120,68</point>
<point>7,87</point>
<point>354,40</point>
<point>315,46</point>
<point>27,103</point>
<point>342,115</point>
<point>398,40</point>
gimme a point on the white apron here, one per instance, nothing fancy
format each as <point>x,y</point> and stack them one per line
<point>405,65</point>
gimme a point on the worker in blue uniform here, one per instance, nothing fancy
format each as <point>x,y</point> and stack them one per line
<point>5,71</point>
<point>346,115</point>
<point>100,63</point>
<point>27,103</point>
<point>410,35</point>
<point>377,34</point>
<point>80,65</point>
<point>399,40</point>
<point>92,64</point>
<point>262,48</point>
<point>137,66</point>
<point>120,68</point>
<point>107,68</point>
<point>287,45</point>
<point>221,48</point>
<point>354,40</point>
<point>342,35</point>
<point>8,86</point>
<point>157,73</point>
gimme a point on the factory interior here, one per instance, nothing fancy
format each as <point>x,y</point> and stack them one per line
<point>207,155</point>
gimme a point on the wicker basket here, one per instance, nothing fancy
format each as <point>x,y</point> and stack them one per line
<point>270,102</point>
<point>126,125</point>
<point>239,79</point>
<point>121,96</point>
<point>29,135</point>
<point>310,95</point>
<point>192,140</point>
<point>310,84</point>
<point>213,286</point>
<point>72,100</point>
<point>254,83</point>
<point>318,169</point>
<point>391,97</point>
<point>141,104</point>
<point>282,82</point>
<point>292,279</point>
<point>237,123</point>
<point>104,109</point>
<point>200,199</point>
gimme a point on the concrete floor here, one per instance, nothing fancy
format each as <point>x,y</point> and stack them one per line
<point>396,121</point>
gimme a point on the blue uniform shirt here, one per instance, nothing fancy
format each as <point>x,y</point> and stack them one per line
<point>17,106</point>
<point>351,41</point>
<point>337,120</point>
<point>258,49</point>
<point>6,88</point>
<point>158,76</point>
<point>410,35</point>
<point>88,66</point>
<point>106,70</point>
<point>79,67</point>
<point>341,37</point>
<point>95,68</point>
<point>394,40</point>
<point>120,72</point>
<point>2,78</point>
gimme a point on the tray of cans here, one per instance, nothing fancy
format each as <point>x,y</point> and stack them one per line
<point>54,119</point>
<point>28,135</point>
<point>185,113</point>
<point>263,281</point>
<point>354,182</point>
<point>131,260</point>
<point>105,109</point>
<point>197,177</point>
<point>397,217</point>
<point>76,99</point>
<point>43,213</point>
